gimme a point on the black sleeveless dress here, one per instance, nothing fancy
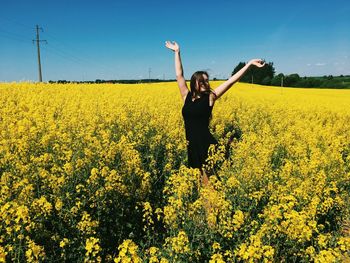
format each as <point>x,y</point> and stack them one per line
<point>196,116</point>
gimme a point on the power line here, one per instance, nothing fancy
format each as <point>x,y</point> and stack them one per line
<point>55,46</point>
<point>15,22</point>
<point>64,48</point>
<point>73,50</point>
<point>51,49</point>
<point>11,23</point>
<point>68,55</point>
<point>69,51</point>
<point>13,36</point>
<point>38,49</point>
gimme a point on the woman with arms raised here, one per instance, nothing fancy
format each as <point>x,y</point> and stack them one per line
<point>198,105</point>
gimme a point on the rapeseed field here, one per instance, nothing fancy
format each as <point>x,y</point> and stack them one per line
<point>93,173</point>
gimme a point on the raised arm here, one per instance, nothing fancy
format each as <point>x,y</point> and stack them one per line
<point>181,82</point>
<point>219,91</point>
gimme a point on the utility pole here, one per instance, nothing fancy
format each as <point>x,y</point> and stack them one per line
<point>281,84</point>
<point>38,48</point>
<point>149,74</point>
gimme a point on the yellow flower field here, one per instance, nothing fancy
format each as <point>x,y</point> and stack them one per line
<point>97,173</point>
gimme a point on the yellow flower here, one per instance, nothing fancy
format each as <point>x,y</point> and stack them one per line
<point>217,258</point>
<point>147,216</point>
<point>326,256</point>
<point>216,246</point>
<point>64,242</point>
<point>34,252</point>
<point>128,252</point>
<point>3,254</point>
<point>86,225</point>
<point>322,240</point>
<point>58,204</point>
<point>238,219</point>
<point>344,244</point>
<point>179,244</point>
<point>42,206</point>
<point>92,248</point>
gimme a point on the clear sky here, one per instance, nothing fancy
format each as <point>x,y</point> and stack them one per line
<point>124,39</point>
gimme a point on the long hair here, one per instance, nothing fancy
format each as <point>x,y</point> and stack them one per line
<point>198,76</point>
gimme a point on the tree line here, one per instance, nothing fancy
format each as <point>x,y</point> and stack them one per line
<point>112,81</point>
<point>266,76</point>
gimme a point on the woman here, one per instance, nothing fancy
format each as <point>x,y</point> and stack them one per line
<point>198,105</point>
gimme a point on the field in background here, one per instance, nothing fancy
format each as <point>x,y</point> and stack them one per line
<point>97,172</point>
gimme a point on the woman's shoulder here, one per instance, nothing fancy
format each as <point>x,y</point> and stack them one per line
<point>210,94</point>
<point>205,94</point>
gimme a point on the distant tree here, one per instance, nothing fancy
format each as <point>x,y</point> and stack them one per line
<point>245,77</point>
<point>291,80</point>
<point>256,75</point>
<point>276,81</point>
<point>309,82</point>
<point>266,81</point>
<point>266,76</point>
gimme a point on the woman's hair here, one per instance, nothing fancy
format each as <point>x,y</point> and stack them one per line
<point>198,76</point>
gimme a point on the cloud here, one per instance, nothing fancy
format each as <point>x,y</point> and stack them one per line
<point>319,64</point>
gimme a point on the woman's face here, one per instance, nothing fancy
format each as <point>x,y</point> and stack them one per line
<point>203,85</point>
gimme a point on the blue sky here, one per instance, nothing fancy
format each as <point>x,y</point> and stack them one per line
<point>90,39</point>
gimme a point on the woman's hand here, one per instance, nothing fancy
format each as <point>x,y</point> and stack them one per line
<point>172,45</point>
<point>257,62</point>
